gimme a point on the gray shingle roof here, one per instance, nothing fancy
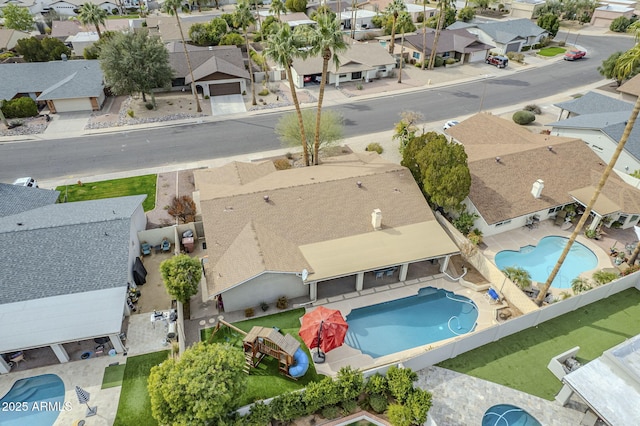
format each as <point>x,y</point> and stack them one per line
<point>592,103</point>
<point>505,31</point>
<point>66,248</point>
<point>17,199</point>
<point>70,79</point>
<point>459,40</point>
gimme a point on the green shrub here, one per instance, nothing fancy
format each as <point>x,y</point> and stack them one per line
<point>374,146</point>
<point>288,406</point>
<point>348,407</point>
<point>378,403</point>
<point>419,403</point>
<point>130,113</point>
<point>562,43</point>
<point>400,382</point>
<point>350,383</point>
<point>465,221</point>
<point>525,48</point>
<point>263,92</point>
<point>604,277</point>
<point>438,62</point>
<point>376,384</point>
<point>450,61</point>
<point>248,312</point>
<point>331,412</point>
<point>282,164</point>
<point>620,24</point>
<point>399,415</point>
<point>321,394</point>
<point>533,108</point>
<point>148,106</point>
<point>359,86</point>
<point>524,117</point>
<point>20,108</point>
<point>631,270</point>
<point>282,303</point>
<point>260,414</point>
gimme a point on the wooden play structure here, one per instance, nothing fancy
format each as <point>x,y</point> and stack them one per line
<point>265,341</point>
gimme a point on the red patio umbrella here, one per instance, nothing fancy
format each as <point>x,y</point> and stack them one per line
<point>324,329</point>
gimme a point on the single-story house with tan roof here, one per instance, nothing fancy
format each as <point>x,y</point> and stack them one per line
<point>457,44</point>
<point>166,26</point>
<point>630,89</point>
<point>9,38</point>
<point>517,174</point>
<point>218,70</point>
<point>272,233</point>
<point>360,62</point>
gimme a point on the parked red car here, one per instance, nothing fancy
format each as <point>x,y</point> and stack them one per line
<point>572,55</point>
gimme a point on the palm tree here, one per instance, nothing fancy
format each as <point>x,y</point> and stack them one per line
<point>91,14</point>
<point>327,40</point>
<point>393,9</point>
<point>424,33</point>
<point>405,24</point>
<point>520,276</point>
<point>171,7</point>
<point>242,17</point>
<point>443,5</point>
<point>277,8</point>
<point>627,62</point>
<point>282,48</point>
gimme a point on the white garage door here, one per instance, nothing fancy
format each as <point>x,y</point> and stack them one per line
<point>70,105</point>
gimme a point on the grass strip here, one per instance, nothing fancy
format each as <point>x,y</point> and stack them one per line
<point>113,375</point>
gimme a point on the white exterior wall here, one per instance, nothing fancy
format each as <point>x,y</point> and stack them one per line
<point>297,79</point>
<point>602,145</point>
<point>264,288</point>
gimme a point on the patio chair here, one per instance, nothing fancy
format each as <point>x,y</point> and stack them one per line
<point>493,296</point>
<point>560,216</point>
<point>166,245</point>
<point>145,248</point>
<point>379,274</point>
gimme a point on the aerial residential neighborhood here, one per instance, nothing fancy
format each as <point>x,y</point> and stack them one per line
<point>386,212</point>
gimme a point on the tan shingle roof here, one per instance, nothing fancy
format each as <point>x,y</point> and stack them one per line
<point>631,86</point>
<point>358,56</point>
<point>502,190</point>
<point>306,205</point>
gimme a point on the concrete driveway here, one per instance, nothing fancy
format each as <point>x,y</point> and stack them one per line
<point>65,123</point>
<point>227,104</point>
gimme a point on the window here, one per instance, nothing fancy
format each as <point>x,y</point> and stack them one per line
<point>504,222</point>
<point>554,209</point>
<point>597,148</point>
<point>342,76</point>
<point>416,55</point>
<point>634,219</point>
<point>356,75</point>
<point>623,218</point>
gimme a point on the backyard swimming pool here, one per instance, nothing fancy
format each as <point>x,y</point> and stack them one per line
<point>34,401</point>
<point>430,316</point>
<point>508,415</point>
<point>539,260</point>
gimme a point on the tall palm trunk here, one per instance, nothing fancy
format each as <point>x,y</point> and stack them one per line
<point>401,58</point>
<point>634,255</point>
<point>585,215</point>
<point>253,86</point>
<point>296,103</point>
<point>326,56</point>
<point>98,30</point>
<point>186,54</point>
<point>392,42</point>
<point>424,33</point>
<point>434,48</point>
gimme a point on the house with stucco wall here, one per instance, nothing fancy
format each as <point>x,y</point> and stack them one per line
<point>458,44</point>
<point>273,233</point>
<point>517,175</point>
<point>506,35</point>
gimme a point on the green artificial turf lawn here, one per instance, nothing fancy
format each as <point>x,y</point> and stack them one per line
<point>134,407</point>
<point>265,381</point>
<point>113,375</point>
<point>551,51</point>
<point>520,361</point>
<point>112,188</point>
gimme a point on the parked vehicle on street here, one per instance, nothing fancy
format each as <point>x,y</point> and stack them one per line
<point>449,124</point>
<point>498,61</point>
<point>572,55</point>
<point>26,181</point>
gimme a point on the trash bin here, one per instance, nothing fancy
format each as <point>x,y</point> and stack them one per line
<point>187,243</point>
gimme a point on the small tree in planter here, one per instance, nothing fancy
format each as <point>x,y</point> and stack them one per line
<point>520,276</point>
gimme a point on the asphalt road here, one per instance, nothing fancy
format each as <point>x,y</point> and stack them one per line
<point>130,150</point>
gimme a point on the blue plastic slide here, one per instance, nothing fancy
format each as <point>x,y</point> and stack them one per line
<point>300,364</point>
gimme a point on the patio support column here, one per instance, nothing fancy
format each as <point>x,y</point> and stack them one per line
<point>595,222</point>
<point>564,395</point>
<point>445,264</point>
<point>313,290</point>
<point>116,343</point>
<point>359,281</point>
<point>404,268</point>
<point>4,367</point>
<point>60,352</point>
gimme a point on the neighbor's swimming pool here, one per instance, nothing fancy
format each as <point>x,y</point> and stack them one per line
<point>508,415</point>
<point>430,316</point>
<point>34,401</point>
<point>539,260</point>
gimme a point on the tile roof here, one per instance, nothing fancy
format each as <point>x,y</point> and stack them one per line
<point>61,79</point>
<point>305,205</point>
<point>358,56</point>
<point>592,103</point>
<point>17,199</point>
<point>631,86</point>
<point>66,248</point>
<point>502,190</point>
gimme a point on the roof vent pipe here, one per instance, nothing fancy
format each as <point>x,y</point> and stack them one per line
<point>536,189</point>
<point>266,198</point>
<point>376,219</point>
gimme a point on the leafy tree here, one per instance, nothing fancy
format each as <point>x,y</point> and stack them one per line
<point>466,14</point>
<point>331,130</point>
<point>277,8</point>
<point>201,387</point>
<point>393,10</point>
<point>181,275</point>
<point>296,5</point>
<point>269,26</point>
<point>47,49</point>
<point>326,41</point>
<point>92,14</point>
<point>232,39</point>
<point>171,7</point>
<point>322,10</point>
<point>183,208</point>
<point>520,276</point>
<point>243,18</point>
<point>405,130</point>
<point>465,222</point>
<point>609,66</point>
<point>93,51</point>
<point>135,62</point>
<point>17,18</point>
<point>481,4</point>
<point>620,24</point>
<point>400,381</point>
<point>210,33</point>
<point>549,22</point>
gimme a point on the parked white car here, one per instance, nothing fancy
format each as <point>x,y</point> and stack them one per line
<point>26,181</point>
<point>449,124</point>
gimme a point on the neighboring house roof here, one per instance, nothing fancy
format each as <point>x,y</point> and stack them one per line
<point>594,103</point>
<point>81,2</point>
<point>220,59</point>
<point>16,199</point>
<point>64,29</point>
<point>167,26</point>
<point>358,57</point>
<point>315,218</point>
<point>501,190</point>
<point>8,38</point>
<point>614,8</point>
<point>68,248</point>
<point>459,40</point>
<point>631,86</point>
<point>611,124</point>
<point>504,31</point>
<point>21,3</point>
<point>54,80</point>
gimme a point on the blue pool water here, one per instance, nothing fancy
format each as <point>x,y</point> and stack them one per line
<point>541,259</point>
<point>508,415</point>
<point>430,316</point>
<point>34,401</point>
